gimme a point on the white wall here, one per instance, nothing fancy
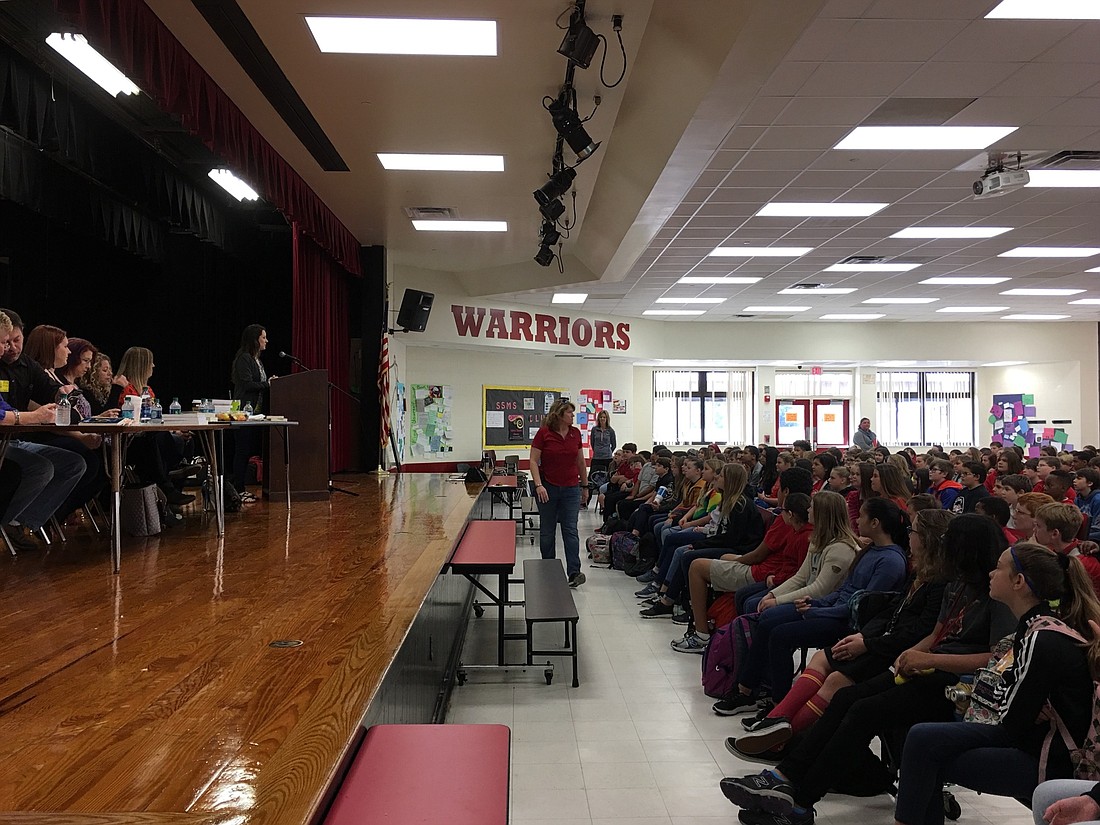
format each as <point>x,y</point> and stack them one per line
<point>1059,394</point>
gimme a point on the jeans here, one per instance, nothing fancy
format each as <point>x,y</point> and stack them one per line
<point>778,632</point>
<point>562,507</point>
<point>1055,789</point>
<point>670,539</point>
<point>979,757</point>
<point>748,598</point>
<point>49,475</point>
<point>682,557</point>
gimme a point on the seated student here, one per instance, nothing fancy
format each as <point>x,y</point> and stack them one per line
<point>919,502</point>
<point>1056,527</point>
<point>802,449</point>
<point>816,622</point>
<point>729,572</point>
<point>1031,471</point>
<point>997,509</point>
<point>1087,486</point>
<point>840,481</point>
<point>936,552</point>
<point>616,493</point>
<point>1046,674</point>
<point>1027,506</point>
<point>820,467</point>
<point>769,473</point>
<point>1010,488</point>
<point>653,475</point>
<point>944,488</point>
<point>834,754</point>
<point>861,491</point>
<point>691,489</point>
<point>783,461</point>
<point>889,481</point>
<point>671,480</point>
<point>750,457</point>
<point>973,490</point>
<point>617,473</point>
<point>1049,464</point>
<point>989,461</point>
<point>1059,486</point>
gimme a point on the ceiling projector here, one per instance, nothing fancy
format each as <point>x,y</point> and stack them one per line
<point>995,183</point>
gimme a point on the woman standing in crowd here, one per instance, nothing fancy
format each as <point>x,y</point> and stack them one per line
<point>603,441</point>
<point>250,385</point>
<point>864,437</point>
<point>560,475</point>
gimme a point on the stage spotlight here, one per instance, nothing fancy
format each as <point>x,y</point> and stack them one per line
<point>571,129</point>
<point>557,186</point>
<point>549,235</point>
<point>579,44</point>
<point>545,256</point>
<point>552,210</point>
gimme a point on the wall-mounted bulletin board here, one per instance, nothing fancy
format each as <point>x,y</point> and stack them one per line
<point>512,415</point>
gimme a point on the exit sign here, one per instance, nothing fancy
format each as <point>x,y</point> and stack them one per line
<point>815,370</point>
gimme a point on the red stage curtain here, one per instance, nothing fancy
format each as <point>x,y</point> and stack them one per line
<point>133,38</point>
<point>320,335</point>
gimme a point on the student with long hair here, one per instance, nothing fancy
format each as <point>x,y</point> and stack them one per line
<point>889,481</point>
<point>861,493</point>
<point>1047,677</point>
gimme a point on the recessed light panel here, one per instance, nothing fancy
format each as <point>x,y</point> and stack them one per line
<point>569,298</point>
<point>1027,317</point>
<point>1087,302</point>
<point>820,210</point>
<point>690,300</point>
<point>1064,178</point>
<point>871,268</point>
<point>443,163</point>
<point>233,185</point>
<point>75,49</point>
<point>901,300</point>
<point>952,232</point>
<point>674,312</point>
<point>1094,269</point>
<point>394,35</point>
<point>1045,10</point>
<point>1051,292</point>
<point>776,309</point>
<point>1051,252</point>
<point>725,279</point>
<point>825,290</point>
<point>461,226</point>
<point>853,316</point>
<point>950,280</point>
<point>1005,364</point>
<point>923,138</point>
<point>761,251</point>
<point>972,309</point>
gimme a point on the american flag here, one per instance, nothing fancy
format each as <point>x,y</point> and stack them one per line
<point>384,390</point>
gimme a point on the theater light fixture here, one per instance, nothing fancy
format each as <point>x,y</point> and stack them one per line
<point>923,138</point>
<point>552,210</point>
<point>75,49</point>
<point>233,185</point>
<point>580,42</point>
<point>549,234</point>
<point>545,256</point>
<point>557,186</point>
<point>569,127</point>
<point>394,35</point>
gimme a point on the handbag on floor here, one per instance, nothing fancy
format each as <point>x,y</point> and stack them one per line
<point>139,511</point>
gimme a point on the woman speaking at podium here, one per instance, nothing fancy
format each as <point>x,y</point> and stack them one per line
<point>250,385</point>
<point>561,484</point>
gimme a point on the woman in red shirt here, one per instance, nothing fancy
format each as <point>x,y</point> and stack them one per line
<point>561,485</point>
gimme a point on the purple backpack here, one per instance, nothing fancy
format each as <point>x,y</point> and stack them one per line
<point>727,647</point>
<point>624,550</point>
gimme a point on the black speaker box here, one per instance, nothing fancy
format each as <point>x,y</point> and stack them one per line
<point>416,306</point>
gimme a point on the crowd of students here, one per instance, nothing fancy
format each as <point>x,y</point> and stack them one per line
<point>935,587</point>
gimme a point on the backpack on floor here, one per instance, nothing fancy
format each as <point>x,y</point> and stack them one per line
<point>647,556</point>
<point>727,648</point>
<point>624,550</point>
<point>599,549</point>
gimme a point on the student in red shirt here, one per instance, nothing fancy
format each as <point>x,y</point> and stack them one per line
<point>560,475</point>
<point>1056,527</point>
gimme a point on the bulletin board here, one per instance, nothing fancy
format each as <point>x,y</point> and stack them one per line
<point>589,404</point>
<point>512,415</point>
<point>430,419</point>
<point>1012,416</point>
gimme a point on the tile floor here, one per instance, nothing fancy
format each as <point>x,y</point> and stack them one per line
<point>637,742</point>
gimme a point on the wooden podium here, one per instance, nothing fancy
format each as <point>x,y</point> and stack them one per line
<point>301,397</point>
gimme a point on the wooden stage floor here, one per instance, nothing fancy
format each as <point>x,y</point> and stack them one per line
<point>156,691</point>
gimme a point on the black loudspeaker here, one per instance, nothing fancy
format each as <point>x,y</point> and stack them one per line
<point>416,306</point>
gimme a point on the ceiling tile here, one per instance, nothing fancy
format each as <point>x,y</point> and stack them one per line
<point>1040,78</point>
<point>857,79</point>
<point>928,9</point>
<point>819,39</point>
<point>1016,111</point>
<point>940,79</point>
<point>895,41</point>
<point>1084,112</point>
<point>724,160</point>
<point>763,111</point>
<point>827,111</point>
<point>802,137</point>
<point>1004,40</point>
<point>788,78</point>
<point>1077,47</point>
<point>743,137</point>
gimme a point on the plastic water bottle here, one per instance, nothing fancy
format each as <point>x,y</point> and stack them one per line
<point>62,416</point>
<point>174,408</point>
<point>248,410</point>
<point>661,493</point>
<point>158,410</point>
<point>146,404</point>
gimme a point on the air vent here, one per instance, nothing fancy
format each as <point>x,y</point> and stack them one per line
<point>569,356</point>
<point>1070,159</point>
<point>917,111</point>
<point>864,259</point>
<point>744,316</point>
<point>431,213</point>
<point>809,286</point>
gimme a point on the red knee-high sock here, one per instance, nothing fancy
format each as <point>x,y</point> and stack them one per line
<point>804,688</point>
<point>809,714</point>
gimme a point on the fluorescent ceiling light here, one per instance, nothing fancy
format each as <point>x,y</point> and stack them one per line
<point>1026,317</point>
<point>972,309</point>
<point>1087,302</point>
<point>695,300</point>
<point>825,290</point>
<point>461,226</point>
<point>1094,269</point>
<point>1054,292</point>
<point>233,185</point>
<point>393,35</point>
<point>820,210</point>
<point>1005,364</point>
<point>725,279</point>
<point>674,312</point>
<point>964,281</point>
<point>443,163</point>
<point>569,298</point>
<point>75,49</point>
<point>1064,178</point>
<point>1047,10</point>
<point>952,232</point>
<point>776,309</point>
<point>901,300</point>
<point>1051,252</point>
<point>761,251</point>
<point>852,316</point>
<point>923,138</point>
<point>871,267</point>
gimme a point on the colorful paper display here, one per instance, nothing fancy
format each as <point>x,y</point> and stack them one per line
<point>1011,417</point>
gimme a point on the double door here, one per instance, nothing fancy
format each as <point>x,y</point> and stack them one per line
<point>824,422</point>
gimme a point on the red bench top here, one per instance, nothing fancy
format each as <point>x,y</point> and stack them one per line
<point>487,543</point>
<point>503,481</point>
<point>431,774</point>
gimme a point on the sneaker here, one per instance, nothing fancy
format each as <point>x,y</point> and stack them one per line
<point>760,792</point>
<point>683,617</point>
<point>762,757</point>
<point>647,591</point>
<point>754,722</point>
<point>765,818</point>
<point>690,643</point>
<point>765,703</point>
<point>577,579</point>
<point>22,539</point>
<point>770,733</point>
<point>650,600</point>
<point>734,705</point>
<point>647,577</point>
<point>657,610</point>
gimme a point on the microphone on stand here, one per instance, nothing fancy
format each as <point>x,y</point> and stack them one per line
<point>292,358</point>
